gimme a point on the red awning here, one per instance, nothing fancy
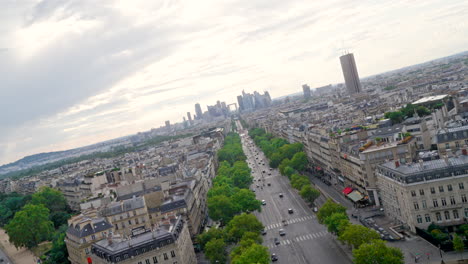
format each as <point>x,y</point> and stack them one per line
<point>318,168</point>
<point>347,190</point>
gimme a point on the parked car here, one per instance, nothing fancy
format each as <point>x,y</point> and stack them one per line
<point>274,257</point>
<point>264,232</point>
<point>269,184</point>
<point>281,195</point>
<point>290,211</point>
<point>263,202</point>
<point>315,209</point>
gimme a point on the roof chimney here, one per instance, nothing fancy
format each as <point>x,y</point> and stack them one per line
<point>397,164</point>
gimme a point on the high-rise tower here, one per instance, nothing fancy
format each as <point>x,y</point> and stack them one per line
<point>350,73</point>
<point>198,111</point>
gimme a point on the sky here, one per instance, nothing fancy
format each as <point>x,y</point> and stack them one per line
<point>77,72</point>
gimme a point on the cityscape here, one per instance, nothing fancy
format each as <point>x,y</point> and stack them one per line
<point>369,168</point>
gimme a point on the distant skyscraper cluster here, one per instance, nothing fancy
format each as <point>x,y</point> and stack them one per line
<point>350,73</point>
<point>249,102</point>
<point>306,89</point>
<point>198,111</point>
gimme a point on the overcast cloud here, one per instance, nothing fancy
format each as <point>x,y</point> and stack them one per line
<point>78,72</point>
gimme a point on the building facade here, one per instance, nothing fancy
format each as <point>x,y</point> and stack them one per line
<point>350,73</point>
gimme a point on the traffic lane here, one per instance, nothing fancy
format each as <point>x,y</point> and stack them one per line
<point>5,258</point>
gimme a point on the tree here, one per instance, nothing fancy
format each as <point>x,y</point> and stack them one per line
<point>256,253</point>
<point>59,218</point>
<point>458,245</point>
<point>30,226</point>
<point>376,252</point>
<point>299,181</point>
<point>299,161</point>
<point>288,171</point>
<point>242,223</point>
<point>309,193</point>
<point>207,236</point>
<point>336,221</point>
<point>284,163</point>
<point>329,208</point>
<point>275,160</point>
<point>215,251</point>
<point>51,198</point>
<point>396,117</point>
<point>58,253</point>
<point>254,236</point>
<point>244,200</point>
<point>221,189</point>
<point>221,208</point>
<point>356,235</point>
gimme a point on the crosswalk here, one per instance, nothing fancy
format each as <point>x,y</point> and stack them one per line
<point>299,239</point>
<point>290,221</point>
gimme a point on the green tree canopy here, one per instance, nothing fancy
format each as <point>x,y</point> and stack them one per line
<point>256,253</point>
<point>336,222</point>
<point>284,163</point>
<point>356,235</point>
<point>299,181</point>
<point>51,198</point>
<point>242,223</point>
<point>309,193</point>
<point>377,252</point>
<point>299,161</point>
<point>30,226</point>
<point>245,200</point>
<point>221,208</point>
<point>329,208</point>
<point>458,244</point>
<point>211,234</point>
<point>215,250</point>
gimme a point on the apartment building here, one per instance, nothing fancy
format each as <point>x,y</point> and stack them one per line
<point>84,230</point>
<point>168,244</point>
<point>418,194</point>
<point>451,139</point>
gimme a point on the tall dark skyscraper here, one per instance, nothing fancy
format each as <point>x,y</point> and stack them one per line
<point>350,73</point>
<point>168,125</point>
<point>198,111</point>
<point>240,102</point>
<point>306,89</point>
<point>189,116</point>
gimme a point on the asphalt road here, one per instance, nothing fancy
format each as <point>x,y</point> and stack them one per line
<point>306,241</point>
<point>5,258</point>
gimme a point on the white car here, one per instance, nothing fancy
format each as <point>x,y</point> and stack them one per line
<point>263,202</point>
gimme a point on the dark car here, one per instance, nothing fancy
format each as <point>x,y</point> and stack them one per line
<point>290,211</point>
<point>263,232</point>
<point>269,184</point>
<point>281,232</point>
<point>281,195</point>
<point>274,257</point>
<point>277,242</point>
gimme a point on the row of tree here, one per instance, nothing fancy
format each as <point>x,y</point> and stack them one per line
<point>42,217</point>
<point>289,158</point>
<point>408,111</point>
<point>367,246</point>
<point>230,201</point>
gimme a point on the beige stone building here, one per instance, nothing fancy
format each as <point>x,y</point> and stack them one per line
<point>168,244</point>
<point>84,230</point>
<point>422,193</point>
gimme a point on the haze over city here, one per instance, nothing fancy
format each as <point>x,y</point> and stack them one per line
<point>79,72</point>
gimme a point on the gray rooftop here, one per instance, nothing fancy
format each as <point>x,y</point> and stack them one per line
<point>123,206</point>
<point>96,226</point>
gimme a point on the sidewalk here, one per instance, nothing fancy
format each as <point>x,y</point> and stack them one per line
<point>21,256</point>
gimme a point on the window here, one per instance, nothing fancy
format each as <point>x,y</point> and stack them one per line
<point>165,256</point>
<point>116,227</point>
<point>455,214</point>
<point>424,205</point>
<point>155,260</point>
<point>416,206</point>
<point>457,144</point>
<point>452,200</point>
<point>123,225</point>
<point>83,240</point>
<point>421,192</point>
<point>439,217</point>
<point>447,146</point>
<point>172,253</point>
<point>428,218</point>
<point>86,250</point>
<point>136,221</point>
<point>460,185</point>
<point>147,261</point>
<point>441,188</point>
<point>432,190</point>
<point>93,237</point>
<point>128,214</point>
<point>447,215</point>
<point>463,198</point>
<point>419,218</point>
<point>443,201</point>
<point>134,212</point>
<point>466,212</point>
<point>435,203</point>
<point>413,193</point>
<point>130,221</point>
<point>449,187</point>
<point>139,262</point>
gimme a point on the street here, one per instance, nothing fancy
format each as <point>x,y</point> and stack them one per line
<point>306,241</point>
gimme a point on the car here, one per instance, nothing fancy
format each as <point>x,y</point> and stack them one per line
<point>263,171</point>
<point>258,186</point>
<point>315,209</point>
<point>281,232</point>
<point>274,257</point>
<point>290,211</point>
<point>281,195</point>
<point>269,173</point>
<point>263,202</point>
<point>277,242</point>
<point>269,184</point>
<point>263,232</point>
<point>253,190</point>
